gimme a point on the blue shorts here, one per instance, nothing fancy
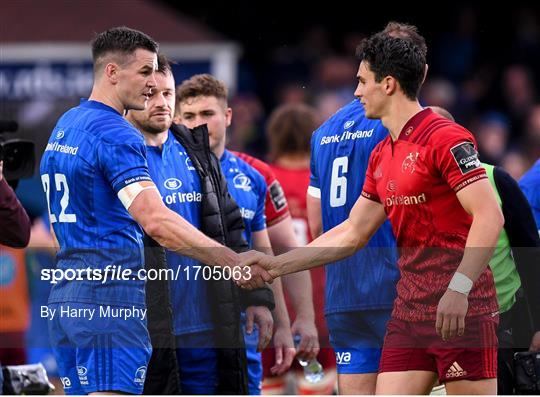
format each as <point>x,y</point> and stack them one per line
<point>102,353</point>
<point>357,338</point>
<point>197,362</point>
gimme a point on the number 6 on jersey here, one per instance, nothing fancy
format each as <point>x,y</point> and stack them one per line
<point>338,185</point>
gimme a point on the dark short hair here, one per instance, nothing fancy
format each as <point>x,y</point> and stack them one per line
<point>289,130</point>
<point>120,40</point>
<point>398,51</point>
<point>200,85</point>
<point>164,64</point>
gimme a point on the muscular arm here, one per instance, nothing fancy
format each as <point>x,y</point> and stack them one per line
<point>176,234</point>
<point>478,199</point>
<point>298,285</point>
<point>338,243</point>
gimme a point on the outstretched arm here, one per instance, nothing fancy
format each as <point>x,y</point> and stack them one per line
<point>338,243</point>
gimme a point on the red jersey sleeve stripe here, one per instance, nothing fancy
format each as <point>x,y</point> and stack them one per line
<point>371,196</point>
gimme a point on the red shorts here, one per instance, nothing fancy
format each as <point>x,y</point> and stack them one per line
<point>416,346</point>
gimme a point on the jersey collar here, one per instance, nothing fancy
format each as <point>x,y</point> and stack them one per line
<point>409,128</point>
<point>88,103</point>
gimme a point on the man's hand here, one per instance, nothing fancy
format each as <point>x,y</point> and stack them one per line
<point>309,342</point>
<point>261,316</point>
<point>451,314</point>
<point>285,351</point>
<point>257,274</point>
<point>535,343</point>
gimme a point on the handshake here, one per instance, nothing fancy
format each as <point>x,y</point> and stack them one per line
<point>258,269</point>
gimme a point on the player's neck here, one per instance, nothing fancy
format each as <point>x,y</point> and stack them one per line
<point>157,140</point>
<point>399,113</point>
<point>100,95</point>
<point>293,161</point>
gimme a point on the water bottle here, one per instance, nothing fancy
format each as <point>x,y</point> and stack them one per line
<point>313,370</point>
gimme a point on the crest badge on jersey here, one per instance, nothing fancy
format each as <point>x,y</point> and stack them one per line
<point>409,163</point>
<point>241,181</point>
<point>348,124</point>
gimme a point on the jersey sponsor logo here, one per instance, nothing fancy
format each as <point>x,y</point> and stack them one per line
<point>241,181</point>
<point>60,134</point>
<point>346,135</point>
<point>343,358</point>
<point>177,197</point>
<point>391,185</point>
<point>66,382</point>
<point>247,214</point>
<point>81,373</point>
<point>455,371</point>
<point>466,157</point>
<point>409,163</point>
<point>172,184</point>
<point>56,147</point>
<point>140,375</point>
<point>277,195</point>
<point>405,200</point>
<point>348,124</point>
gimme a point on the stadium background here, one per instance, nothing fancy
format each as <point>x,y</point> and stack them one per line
<point>483,68</point>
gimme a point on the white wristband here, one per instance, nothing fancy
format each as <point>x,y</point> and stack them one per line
<point>460,283</point>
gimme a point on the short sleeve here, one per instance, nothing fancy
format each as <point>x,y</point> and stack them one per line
<point>369,190</point>
<point>123,163</point>
<point>456,157</point>
<point>314,189</point>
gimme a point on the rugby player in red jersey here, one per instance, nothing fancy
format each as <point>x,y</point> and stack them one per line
<point>427,179</point>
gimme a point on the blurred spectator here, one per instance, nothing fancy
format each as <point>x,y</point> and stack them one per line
<point>515,163</point>
<point>247,126</point>
<point>519,95</point>
<point>329,103</point>
<point>532,138</point>
<point>439,92</point>
<point>456,50</point>
<point>492,136</point>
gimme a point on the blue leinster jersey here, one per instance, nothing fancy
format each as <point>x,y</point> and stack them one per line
<point>530,184</point>
<point>248,188</point>
<point>180,189</point>
<point>340,150</point>
<point>91,155</point>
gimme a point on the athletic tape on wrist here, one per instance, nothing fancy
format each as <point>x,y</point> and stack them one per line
<point>460,283</point>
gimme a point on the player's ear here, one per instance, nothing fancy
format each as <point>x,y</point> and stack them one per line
<point>389,85</point>
<point>111,72</point>
<point>228,116</point>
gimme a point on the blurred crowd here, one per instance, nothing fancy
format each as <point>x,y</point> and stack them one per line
<point>489,87</point>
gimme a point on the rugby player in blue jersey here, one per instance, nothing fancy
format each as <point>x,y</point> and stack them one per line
<point>357,307</point>
<point>95,176</point>
<point>179,184</point>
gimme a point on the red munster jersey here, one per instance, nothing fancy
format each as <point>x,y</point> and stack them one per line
<point>276,208</point>
<point>416,178</point>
